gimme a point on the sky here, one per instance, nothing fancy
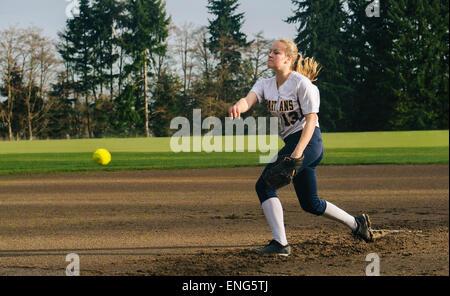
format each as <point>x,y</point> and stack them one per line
<point>50,15</point>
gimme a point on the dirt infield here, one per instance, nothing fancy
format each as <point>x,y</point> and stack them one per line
<point>207,222</point>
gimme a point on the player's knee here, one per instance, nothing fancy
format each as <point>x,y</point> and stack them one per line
<point>315,207</point>
<point>262,191</point>
<point>260,186</point>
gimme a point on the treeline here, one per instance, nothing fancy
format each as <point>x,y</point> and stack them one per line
<point>121,68</point>
<point>386,63</point>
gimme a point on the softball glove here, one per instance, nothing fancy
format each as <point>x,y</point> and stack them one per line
<point>281,172</point>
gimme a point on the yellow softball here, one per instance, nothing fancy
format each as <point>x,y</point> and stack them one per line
<point>101,156</point>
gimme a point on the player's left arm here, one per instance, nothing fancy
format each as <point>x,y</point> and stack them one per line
<point>307,133</point>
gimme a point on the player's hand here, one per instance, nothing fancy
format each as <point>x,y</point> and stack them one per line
<point>296,157</point>
<point>280,173</point>
<point>234,112</point>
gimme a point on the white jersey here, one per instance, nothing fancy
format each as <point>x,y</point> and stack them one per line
<point>284,102</point>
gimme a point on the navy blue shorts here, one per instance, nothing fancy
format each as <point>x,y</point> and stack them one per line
<point>304,181</point>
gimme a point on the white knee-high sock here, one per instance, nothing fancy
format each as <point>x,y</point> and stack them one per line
<point>335,213</point>
<point>274,214</point>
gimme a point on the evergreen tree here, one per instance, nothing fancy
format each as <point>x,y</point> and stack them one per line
<point>146,31</point>
<point>320,24</point>
<point>127,120</point>
<point>368,46</point>
<point>420,64</point>
<point>106,14</point>
<point>103,113</point>
<point>11,44</point>
<point>166,104</point>
<point>16,87</point>
<point>226,40</point>
<point>76,47</point>
<point>20,109</point>
<point>60,116</point>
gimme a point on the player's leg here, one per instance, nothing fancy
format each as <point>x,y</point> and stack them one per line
<point>360,225</point>
<point>273,210</point>
<point>305,184</point>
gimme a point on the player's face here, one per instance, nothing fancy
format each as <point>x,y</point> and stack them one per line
<point>277,59</point>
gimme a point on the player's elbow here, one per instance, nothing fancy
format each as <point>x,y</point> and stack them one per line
<point>250,99</point>
<point>311,118</point>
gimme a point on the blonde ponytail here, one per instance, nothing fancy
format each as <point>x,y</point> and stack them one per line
<point>306,66</point>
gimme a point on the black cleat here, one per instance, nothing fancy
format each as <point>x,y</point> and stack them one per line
<point>364,231</point>
<point>275,248</point>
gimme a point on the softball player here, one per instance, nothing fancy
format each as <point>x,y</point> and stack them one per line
<point>291,96</point>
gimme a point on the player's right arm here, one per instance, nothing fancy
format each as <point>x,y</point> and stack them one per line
<point>243,105</point>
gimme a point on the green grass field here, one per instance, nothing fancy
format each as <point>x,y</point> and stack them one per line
<point>418,147</point>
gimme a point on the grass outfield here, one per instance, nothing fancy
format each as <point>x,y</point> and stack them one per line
<point>154,153</point>
<point>330,140</point>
